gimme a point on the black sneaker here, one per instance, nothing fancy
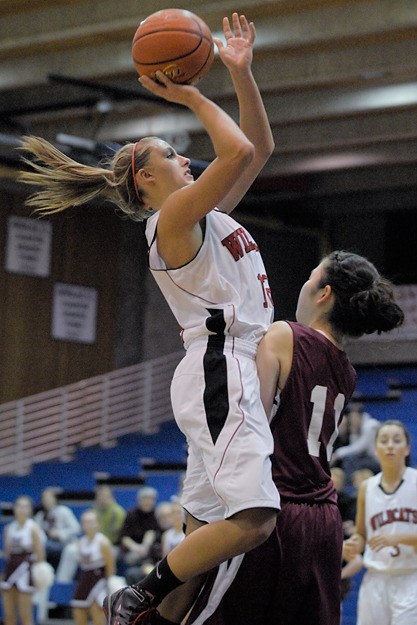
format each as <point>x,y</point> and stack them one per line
<point>129,606</point>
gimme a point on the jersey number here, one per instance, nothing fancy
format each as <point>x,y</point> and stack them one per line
<point>266,290</point>
<point>318,399</point>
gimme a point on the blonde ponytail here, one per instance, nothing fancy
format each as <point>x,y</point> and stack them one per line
<point>65,183</point>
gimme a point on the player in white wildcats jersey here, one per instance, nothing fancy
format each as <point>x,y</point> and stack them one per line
<point>386,526</point>
<point>391,514</point>
<point>23,545</point>
<point>221,300</point>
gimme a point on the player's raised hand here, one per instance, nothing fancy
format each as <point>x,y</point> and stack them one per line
<point>240,35</point>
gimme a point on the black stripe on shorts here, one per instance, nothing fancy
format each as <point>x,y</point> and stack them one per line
<point>216,397</point>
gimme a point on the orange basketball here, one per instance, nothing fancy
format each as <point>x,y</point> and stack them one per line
<point>175,41</point>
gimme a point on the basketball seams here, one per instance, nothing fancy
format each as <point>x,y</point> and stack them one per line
<point>176,57</point>
<point>171,31</point>
<point>200,71</point>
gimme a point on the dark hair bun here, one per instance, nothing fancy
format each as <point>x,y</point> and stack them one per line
<point>375,309</point>
<point>364,300</point>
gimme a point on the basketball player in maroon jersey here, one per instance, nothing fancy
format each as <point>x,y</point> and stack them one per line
<point>306,381</point>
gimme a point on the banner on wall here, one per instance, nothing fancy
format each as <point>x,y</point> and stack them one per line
<point>406,298</point>
<point>28,246</point>
<point>74,313</point>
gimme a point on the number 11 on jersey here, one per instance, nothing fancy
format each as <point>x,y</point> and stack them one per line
<point>318,399</point>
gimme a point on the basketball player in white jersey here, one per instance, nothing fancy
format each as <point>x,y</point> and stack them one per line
<point>96,564</point>
<point>212,275</point>
<point>386,528</point>
<point>23,545</point>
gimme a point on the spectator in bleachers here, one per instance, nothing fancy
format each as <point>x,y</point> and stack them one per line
<point>172,536</point>
<point>347,507</point>
<point>360,452</point>
<point>349,569</point>
<point>96,565</point>
<point>163,515</point>
<point>359,476</point>
<point>110,514</point>
<point>23,545</point>
<point>59,523</point>
<point>139,532</point>
<point>345,501</point>
<point>386,531</point>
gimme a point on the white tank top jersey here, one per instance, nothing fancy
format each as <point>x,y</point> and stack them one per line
<point>19,538</point>
<point>393,513</point>
<point>224,290</point>
<point>90,556</point>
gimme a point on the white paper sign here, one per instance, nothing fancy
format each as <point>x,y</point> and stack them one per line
<point>74,313</point>
<point>28,247</point>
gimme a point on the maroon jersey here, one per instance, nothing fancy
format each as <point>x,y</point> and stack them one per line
<point>322,379</point>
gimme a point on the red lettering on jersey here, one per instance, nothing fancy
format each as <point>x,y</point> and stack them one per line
<point>405,515</point>
<point>266,290</point>
<point>238,243</point>
<point>249,245</point>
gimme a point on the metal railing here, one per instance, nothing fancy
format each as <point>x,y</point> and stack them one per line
<point>96,411</point>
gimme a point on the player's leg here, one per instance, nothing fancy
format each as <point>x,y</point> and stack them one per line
<point>96,613</point>
<point>216,542</point>
<point>175,607</point>
<point>10,606</point>
<point>373,601</point>
<point>24,600</point>
<point>80,616</point>
<point>403,598</point>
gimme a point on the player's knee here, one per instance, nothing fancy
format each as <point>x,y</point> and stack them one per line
<point>266,527</point>
<point>259,524</point>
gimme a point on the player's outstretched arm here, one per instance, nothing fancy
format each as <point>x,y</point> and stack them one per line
<point>237,56</point>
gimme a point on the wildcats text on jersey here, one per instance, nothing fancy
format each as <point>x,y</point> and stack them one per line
<point>238,244</point>
<point>406,515</point>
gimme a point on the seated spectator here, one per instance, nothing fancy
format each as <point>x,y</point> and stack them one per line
<point>343,432</point>
<point>138,534</point>
<point>359,476</point>
<point>96,565</point>
<point>347,507</point>
<point>345,502</point>
<point>360,452</point>
<point>59,524</point>
<point>172,536</point>
<point>110,514</point>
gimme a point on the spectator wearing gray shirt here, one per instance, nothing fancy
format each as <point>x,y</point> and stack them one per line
<point>59,523</point>
<point>359,453</point>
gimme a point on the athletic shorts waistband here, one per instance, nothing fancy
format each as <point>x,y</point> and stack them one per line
<point>230,344</point>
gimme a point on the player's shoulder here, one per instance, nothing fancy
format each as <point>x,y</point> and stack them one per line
<point>279,333</point>
<point>280,328</point>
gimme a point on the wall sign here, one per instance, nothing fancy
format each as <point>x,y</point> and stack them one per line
<point>74,313</point>
<point>28,246</point>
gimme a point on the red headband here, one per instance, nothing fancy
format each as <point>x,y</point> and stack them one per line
<point>135,182</point>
